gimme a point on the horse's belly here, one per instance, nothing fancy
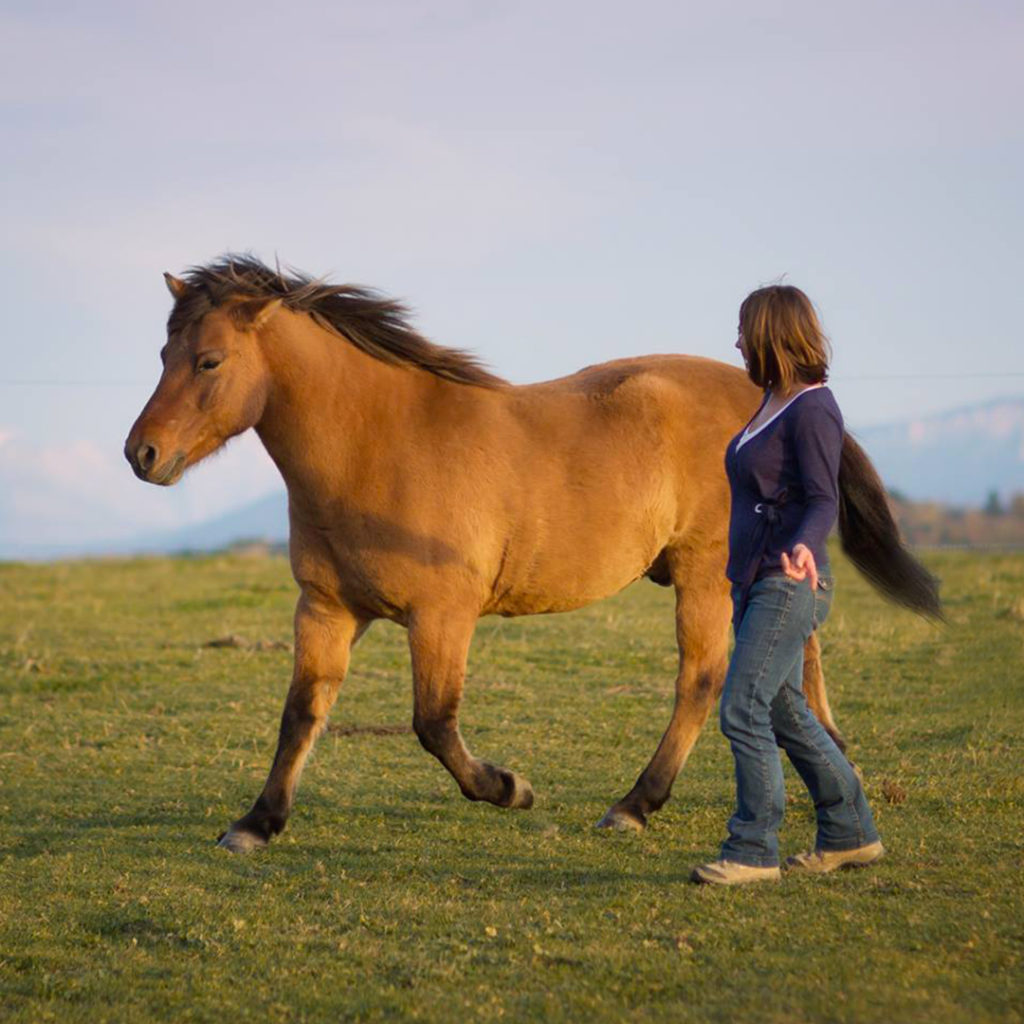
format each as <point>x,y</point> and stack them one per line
<point>573,572</point>
<point>546,600</point>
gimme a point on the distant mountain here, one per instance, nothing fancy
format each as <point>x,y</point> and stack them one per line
<point>67,499</point>
<point>956,457</point>
<point>265,519</point>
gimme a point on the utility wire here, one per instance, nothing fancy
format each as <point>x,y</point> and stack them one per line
<point>923,376</point>
<point>74,383</point>
<point>840,378</point>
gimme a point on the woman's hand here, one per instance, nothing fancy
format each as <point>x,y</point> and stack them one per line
<point>801,566</point>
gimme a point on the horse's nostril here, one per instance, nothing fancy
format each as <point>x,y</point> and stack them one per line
<point>147,456</point>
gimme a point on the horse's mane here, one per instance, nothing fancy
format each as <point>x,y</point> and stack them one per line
<point>370,321</point>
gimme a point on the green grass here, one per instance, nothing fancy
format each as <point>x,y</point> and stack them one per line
<point>126,746</point>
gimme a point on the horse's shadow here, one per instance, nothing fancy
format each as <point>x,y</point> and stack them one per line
<point>146,830</point>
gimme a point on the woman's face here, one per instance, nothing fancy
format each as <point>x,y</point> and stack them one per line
<point>741,344</point>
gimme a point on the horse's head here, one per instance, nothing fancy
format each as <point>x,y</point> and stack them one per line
<point>214,384</point>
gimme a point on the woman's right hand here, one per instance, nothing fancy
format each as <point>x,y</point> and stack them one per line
<point>801,566</point>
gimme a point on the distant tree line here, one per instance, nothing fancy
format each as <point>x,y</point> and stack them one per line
<point>931,523</point>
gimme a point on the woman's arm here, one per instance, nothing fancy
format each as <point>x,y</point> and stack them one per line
<point>817,439</point>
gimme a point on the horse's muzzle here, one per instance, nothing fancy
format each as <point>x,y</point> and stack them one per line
<point>148,463</point>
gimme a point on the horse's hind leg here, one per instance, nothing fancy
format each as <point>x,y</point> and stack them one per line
<point>323,639</point>
<point>702,629</point>
<point>440,644</point>
<point>814,690</point>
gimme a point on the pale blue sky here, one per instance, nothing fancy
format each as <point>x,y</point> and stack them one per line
<point>550,184</point>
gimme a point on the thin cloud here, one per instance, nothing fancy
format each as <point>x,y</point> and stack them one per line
<point>83,492</point>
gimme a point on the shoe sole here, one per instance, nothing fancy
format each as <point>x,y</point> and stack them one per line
<point>801,869</point>
<point>861,863</point>
<point>696,876</point>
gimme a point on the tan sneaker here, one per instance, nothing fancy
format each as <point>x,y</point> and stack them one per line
<point>820,862</point>
<point>730,872</point>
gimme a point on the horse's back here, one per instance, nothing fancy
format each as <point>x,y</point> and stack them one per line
<point>649,416</point>
<point>694,386</point>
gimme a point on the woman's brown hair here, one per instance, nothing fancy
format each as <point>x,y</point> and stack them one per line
<point>783,337</point>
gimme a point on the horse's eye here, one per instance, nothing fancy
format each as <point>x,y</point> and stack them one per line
<point>206,363</point>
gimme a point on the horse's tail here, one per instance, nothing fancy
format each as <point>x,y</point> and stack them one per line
<point>871,539</point>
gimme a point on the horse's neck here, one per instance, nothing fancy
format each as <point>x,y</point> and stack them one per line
<point>331,407</point>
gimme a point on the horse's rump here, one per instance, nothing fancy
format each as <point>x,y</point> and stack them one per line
<point>606,469</point>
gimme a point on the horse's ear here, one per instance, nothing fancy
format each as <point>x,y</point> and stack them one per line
<point>175,285</point>
<point>255,313</point>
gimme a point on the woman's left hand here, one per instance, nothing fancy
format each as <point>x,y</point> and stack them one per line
<point>801,566</point>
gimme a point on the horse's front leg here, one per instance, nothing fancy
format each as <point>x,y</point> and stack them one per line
<point>324,635</point>
<point>440,644</point>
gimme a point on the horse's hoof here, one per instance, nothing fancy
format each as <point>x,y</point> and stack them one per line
<point>240,842</point>
<point>623,821</point>
<point>522,794</point>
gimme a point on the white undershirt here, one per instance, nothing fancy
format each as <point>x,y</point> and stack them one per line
<point>748,433</point>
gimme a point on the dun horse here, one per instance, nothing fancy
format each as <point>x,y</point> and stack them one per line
<point>424,490</point>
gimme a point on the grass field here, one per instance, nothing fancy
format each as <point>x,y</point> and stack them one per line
<point>127,745</point>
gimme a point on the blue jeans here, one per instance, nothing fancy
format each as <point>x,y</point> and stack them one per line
<point>763,706</point>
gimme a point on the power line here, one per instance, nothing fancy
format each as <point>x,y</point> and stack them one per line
<point>837,378</point>
<point>42,383</point>
<point>924,376</point>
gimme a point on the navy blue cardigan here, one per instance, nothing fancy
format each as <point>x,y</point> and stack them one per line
<point>785,486</point>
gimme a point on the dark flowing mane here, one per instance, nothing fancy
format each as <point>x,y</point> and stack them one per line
<point>370,321</point>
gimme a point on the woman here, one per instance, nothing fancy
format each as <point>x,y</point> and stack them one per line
<point>783,472</point>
